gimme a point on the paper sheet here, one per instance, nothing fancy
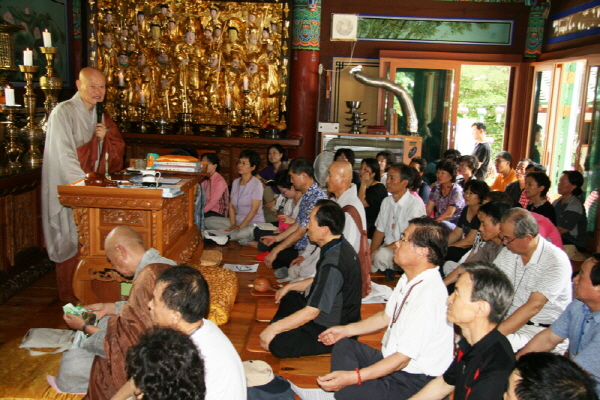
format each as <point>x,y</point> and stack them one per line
<point>312,394</point>
<point>216,232</point>
<point>241,267</point>
<point>379,294</point>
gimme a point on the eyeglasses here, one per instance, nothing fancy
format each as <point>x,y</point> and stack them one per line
<point>402,236</point>
<point>505,240</point>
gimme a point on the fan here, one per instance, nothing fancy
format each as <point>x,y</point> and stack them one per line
<point>321,165</point>
<point>344,27</point>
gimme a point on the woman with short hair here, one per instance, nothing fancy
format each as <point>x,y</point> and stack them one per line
<point>571,220</point>
<point>446,198</point>
<point>537,185</point>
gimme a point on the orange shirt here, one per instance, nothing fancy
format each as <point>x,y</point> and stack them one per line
<point>501,182</point>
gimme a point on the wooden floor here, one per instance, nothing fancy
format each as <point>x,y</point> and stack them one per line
<point>39,306</point>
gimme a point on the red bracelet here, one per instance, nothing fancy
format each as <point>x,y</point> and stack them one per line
<point>358,374</point>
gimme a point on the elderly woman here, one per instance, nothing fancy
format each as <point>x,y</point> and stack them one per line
<point>215,188</point>
<point>245,204</point>
<point>461,239</point>
<point>537,185</point>
<point>467,165</point>
<point>347,155</point>
<point>166,364</point>
<point>571,220</point>
<point>420,164</point>
<point>446,198</point>
<point>516,189</point>
<point>371,192</point>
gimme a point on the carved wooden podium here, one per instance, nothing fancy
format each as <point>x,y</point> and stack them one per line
<point>167,224</point>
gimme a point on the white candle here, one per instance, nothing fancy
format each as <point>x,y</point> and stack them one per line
<point>47,38</point>
<point>27,57</point>
<point>228,100</point>
<point>245,83</point>
<point>10,96</point>
<point>142,97</point>
<point>121,79</point>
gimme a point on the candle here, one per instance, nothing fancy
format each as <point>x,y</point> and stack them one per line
<point>245,83</point>
<point>47,38</point>
<point>121,79</point>
<point>228,100</point>
<point>27,57</point>
<point>10,96</point>
<point>142,97</point>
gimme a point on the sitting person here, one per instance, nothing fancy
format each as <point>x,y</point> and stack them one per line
<point>371,192</point>
<point>165,364</point>
<point>580,323</point>
<point>215,189</point>
<point>334,294</point>
<point>489,215</point>
<point>505,173</point>
<point>446,198</point>
<point>467,166</point>
<point>385,160</point>
<point>416,185</point>
<point>126,320</point>
<point>571,220</point>
<point>540,273</point>
<point>180,302</point>
<point>347,155</point>
<point>286,245</point>
<point>286,207</point>
<point>549,376</point>
<point>396,211</point>
<point>462,237</point>
<point>276,162</point>
<point>418,344</point>
<point>516,189</point>
<point>420,164</point>
<point>485,358</point>
<point>245,205</point>
<point>537,185</point>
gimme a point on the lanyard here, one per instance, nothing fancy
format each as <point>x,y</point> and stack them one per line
<point>398,311</point>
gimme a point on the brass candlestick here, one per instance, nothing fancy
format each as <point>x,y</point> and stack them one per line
<point>121,107</point>
<point>245,116</point>
<point>51,84</point>
<point>228,130</point>
<point>14,148</point>
<point>143,127</point>
<point>31,133</point>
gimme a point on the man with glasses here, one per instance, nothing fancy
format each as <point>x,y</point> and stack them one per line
<point>540,273</point>
<point>418,343</point>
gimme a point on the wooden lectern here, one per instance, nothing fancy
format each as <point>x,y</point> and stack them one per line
<point>167,224</point>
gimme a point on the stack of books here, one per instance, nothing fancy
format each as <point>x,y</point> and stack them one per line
<point>178,166</point>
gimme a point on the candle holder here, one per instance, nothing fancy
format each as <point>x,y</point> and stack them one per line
<point>246,116</point>
<point>31,133</point>
<point>185,120</point>
<point>143,127</point>
<point>51,85</point>
<point>162,124</point>
<point>14,148</point>
<point>228,130</point>
<point>121,107</point>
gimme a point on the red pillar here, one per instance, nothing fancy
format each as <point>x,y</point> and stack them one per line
<point>304,85</point>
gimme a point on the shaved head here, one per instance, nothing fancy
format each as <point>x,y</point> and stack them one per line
<point>91,86</point>
<point>88,73</point>
<point>124,249</point>
<point>340,177</point>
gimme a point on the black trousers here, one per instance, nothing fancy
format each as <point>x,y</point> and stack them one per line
<point>301,341</point>
<point>349,354</point>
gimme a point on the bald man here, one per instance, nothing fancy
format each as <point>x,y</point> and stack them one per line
<point>344,192</point>
<point>125,321</point>
<point>76,143</point>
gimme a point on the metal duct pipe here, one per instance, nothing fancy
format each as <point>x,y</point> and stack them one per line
<point>406,103</point>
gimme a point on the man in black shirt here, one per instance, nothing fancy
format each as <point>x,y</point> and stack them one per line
<point>485,358</point>
<point>333,296</point>
<point>482,149</point>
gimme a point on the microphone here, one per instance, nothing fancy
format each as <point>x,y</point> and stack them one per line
<point>99,111</point>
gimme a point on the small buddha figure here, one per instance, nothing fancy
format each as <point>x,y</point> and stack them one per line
<point>173,38</point>
<point>233,79</point>
<point>215,18</point>
<point>212,77</point>
<point>146,79</point>
<point>252,45</point>
<point>129,74</point>
<point>108,56</point>
<point>167,87</point>
<point>233,42</point>
<point>142,23</point>
<point>155,39</point>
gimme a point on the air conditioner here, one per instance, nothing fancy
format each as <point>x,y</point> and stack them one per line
<point>344,27</point>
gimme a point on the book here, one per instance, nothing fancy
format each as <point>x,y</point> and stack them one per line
<point>180,163</point>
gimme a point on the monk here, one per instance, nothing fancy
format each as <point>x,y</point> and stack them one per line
<point>76,143</point>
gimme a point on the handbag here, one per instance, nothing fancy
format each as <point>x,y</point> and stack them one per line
<point>43,338</point>
<point>364,254</point>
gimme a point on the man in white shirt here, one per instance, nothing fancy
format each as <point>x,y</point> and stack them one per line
<point>181,299</point>
<point>418,343</point>
<point>541,275</point>
<point>396,210</point>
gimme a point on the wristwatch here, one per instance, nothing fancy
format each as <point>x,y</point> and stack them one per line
<point>85,325</point>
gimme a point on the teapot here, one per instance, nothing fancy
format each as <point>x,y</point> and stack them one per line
<point>150,178</point>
